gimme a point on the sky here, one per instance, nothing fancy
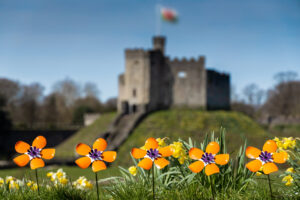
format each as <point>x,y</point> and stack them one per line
<point>49,40</point>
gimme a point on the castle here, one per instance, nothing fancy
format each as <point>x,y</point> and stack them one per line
<point>153,81</point>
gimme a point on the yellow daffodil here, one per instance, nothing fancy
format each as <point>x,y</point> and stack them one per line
<point>288,180</point>
<point>34,187</point>
<point>179,152</point>
<point>1,182</point>
<point>82,183</point>
<point>290,170</point>
<point>161,142</point>
<point>133,170</point>
<point>258,173</point>
<point>9,179</point>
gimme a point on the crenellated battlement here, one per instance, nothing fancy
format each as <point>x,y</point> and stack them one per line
<point>135,52</point>
<point>184,60</point>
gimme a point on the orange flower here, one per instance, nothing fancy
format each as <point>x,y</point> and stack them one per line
<point>207,159</point>
<point>265,158</point>
<point>95,155</point>
<point>152,154</point>
<point>33,153</point>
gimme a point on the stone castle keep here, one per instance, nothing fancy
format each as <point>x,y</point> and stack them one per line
<point>153,81</point>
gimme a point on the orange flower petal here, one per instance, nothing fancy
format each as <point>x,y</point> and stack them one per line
<point>48,153</point>
<point>100,144</point>
<point>254,165</point>
<point>138,153</point>
<point>21,147</point>
<point>39,142</point>
<point>22,160</point>
<point>146,163</point>
<point>196,166</point>
<point>151,143</point>
<point>270,146</point>
<point>83,162</point>
<point>109,156</point>
<point>195,153</point>
<point>212,148</point>
<point>211,169</point>
<point>280,157</point>
<point>36,163</point>
<point>165,151</point>
<point>252,152</point>
<point>269,168</point>
<point>161,163</point>
<point>222,159</point>
<point>98,165</point>
<point>83,149</point>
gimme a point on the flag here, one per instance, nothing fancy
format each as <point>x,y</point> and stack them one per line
<point>169,15</point>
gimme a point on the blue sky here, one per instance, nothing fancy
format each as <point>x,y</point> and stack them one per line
<point>48,40</point>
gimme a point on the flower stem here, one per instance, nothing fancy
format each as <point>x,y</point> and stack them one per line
<point>37,181</point>
<point>270,186</point>
<point>96,176</point>
<point>211,187</point>
<point>153,183</point>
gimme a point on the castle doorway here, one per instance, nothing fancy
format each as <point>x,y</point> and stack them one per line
<point>133,108</point>
<point>125,107</point>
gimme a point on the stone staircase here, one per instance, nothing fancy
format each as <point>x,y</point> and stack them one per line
<point>121,128</point>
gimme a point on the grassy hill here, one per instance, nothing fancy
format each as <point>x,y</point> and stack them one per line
<point>174,124</point>
<point>85,135</point>
<point>185,123</point>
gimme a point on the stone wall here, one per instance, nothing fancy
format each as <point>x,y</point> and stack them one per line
<point>137,77</point>
<point>189,82</point>
<point>218,90</point>
<point>161,82</point>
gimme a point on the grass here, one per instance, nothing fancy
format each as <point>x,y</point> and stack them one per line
<point>137,191</point>
<point>292,130</point>
<point>185,123</point>
<point>85,135</point>
<point>72,171</point>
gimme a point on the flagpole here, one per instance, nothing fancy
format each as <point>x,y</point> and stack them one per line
<point>158,21</point>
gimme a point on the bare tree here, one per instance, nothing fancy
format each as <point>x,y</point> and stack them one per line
<point>254,95</point>
<point>9,89</point>
<point>283,77</point>
<point>69,89</point>
<point>28,102</point>
<point>285,97</point>
<point>91,90</point>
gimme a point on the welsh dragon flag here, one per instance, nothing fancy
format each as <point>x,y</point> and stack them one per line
<point>169,15</point>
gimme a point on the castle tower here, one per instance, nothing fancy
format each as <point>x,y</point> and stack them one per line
<point>159,43</point>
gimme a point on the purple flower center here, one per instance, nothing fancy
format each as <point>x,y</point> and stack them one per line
<point>208,158</point>
<point>265,156</point>
<point>95,154</point>
<point>153,153</point>
<point>34,152</point>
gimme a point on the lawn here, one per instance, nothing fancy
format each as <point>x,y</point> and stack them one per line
<point>85,135</point>
<point>72,171</point>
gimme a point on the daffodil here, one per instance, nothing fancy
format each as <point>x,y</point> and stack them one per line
<point>82,183</point>
<point>161,142</point>
<point>1,182</point>
<point>133,170</point>
<point>258,173</point>
<point>290,170</point>
<point>179,152</point>
<point>288,180</point>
